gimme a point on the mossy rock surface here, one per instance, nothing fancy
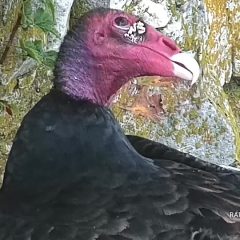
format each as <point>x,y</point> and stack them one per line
<point>201,120</point>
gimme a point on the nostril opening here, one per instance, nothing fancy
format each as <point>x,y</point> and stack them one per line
<point>169,43</point>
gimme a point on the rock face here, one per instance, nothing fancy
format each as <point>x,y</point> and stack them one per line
<point>61,16</point>
<point>199,120</point>
<point>234,20</point>
<point>153,12</point>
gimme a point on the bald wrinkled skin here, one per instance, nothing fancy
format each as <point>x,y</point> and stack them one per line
<point>72,174</point>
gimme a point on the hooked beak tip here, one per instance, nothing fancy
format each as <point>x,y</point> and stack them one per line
<point>185,67</point>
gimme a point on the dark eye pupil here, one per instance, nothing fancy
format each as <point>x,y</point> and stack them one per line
<point>121,21</point>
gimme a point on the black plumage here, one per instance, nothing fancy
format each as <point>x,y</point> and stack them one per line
<point>72,174</point>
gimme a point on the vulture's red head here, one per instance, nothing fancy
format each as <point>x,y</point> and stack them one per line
<point>108,47</point>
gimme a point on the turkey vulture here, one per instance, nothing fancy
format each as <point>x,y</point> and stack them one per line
<point>72,174</point>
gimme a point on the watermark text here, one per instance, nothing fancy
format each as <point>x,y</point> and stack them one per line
<point>234,214</point>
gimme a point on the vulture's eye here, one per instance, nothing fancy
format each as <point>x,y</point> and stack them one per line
<point>122,22</point>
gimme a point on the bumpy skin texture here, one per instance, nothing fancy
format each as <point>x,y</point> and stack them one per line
<point>73,174</point>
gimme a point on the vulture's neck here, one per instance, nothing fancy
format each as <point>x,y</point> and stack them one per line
<point>77,75</point>
<point>83,76</point>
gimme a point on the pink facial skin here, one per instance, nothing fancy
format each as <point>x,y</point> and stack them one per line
<point>98,57</point>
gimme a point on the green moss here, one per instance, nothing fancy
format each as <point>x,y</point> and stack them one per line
<point>78,9</point>
<point>193,114</point>
<point>232,90</point>
<point>171,101</point>
<point>17,107</point>
<point>175,123</point>
<point>179,135</point>
<point>198,145</point>
<point>7,87</point>
<point>222,130</point>
<point>228,114</point>
<point>192,129</point>
<point>174,10</point>
<point>130,8</point>
<point>19,94</point>
<point>201,130</point>
<point>233,94</point>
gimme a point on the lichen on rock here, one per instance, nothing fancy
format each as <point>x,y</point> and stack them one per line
<point>23,80</point>
<point>200,120</point>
